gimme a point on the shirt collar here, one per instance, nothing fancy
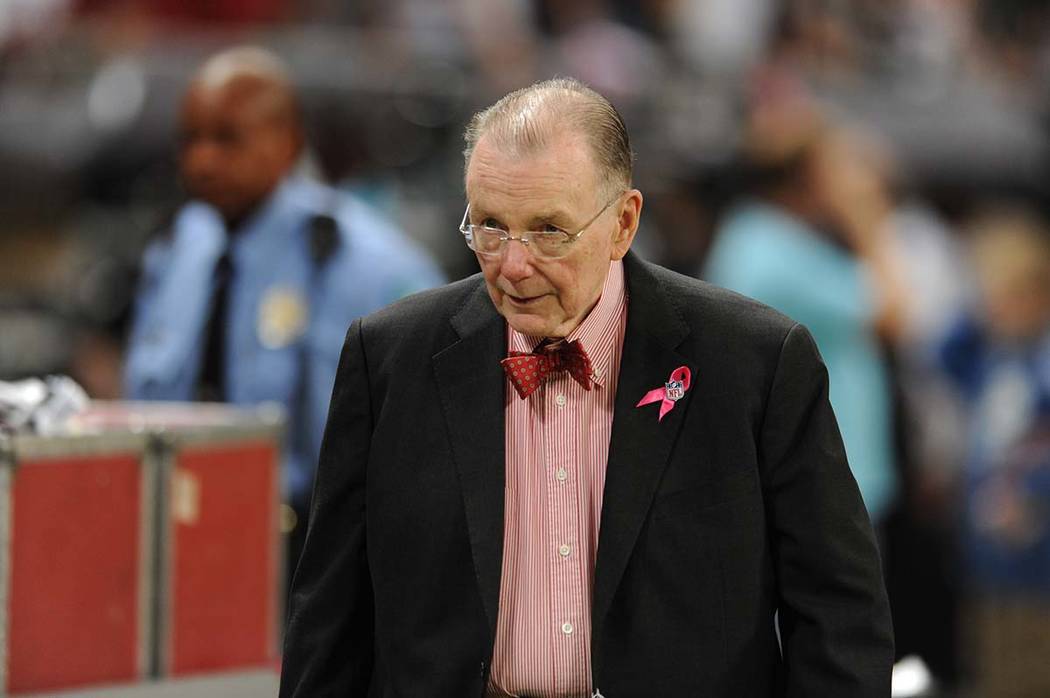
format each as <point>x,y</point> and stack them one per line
<point>294,199</point>
<point>599,331</point>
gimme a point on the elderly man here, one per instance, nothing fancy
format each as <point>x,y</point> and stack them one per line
<point>579,474</point>
<point>247,296</point>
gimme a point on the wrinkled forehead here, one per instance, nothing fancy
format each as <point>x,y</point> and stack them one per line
<point>559,173</point>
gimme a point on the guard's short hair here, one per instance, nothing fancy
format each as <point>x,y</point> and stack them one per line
<point>258,72</point>
<point>241,61</point>
<point>526,120</point>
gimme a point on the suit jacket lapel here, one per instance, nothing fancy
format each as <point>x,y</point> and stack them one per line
<point>640,445</point>
<point>471,386</point>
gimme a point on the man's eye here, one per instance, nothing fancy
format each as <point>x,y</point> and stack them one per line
<point>227,137</point>
<point>551,228</point>
<point>491,223</point>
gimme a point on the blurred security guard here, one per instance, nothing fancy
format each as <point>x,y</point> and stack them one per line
<point>246,299</point>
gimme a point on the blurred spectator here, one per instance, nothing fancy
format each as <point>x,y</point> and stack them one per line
<point>999,357</point>
<point>811,243</point>
<point>939,280</point>
<point>920,550</point>
<point>247,297</point>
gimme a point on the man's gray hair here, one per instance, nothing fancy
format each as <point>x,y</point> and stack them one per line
<point>525,121</point>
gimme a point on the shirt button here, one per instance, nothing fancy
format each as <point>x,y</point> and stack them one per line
<point>561,475</point>
<point>560,400</point>
<point>566,628</point>
<point>564,550</point>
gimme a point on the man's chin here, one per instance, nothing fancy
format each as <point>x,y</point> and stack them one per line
<point>528,323</point>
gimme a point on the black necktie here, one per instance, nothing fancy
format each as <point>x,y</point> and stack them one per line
<point>211,386</point>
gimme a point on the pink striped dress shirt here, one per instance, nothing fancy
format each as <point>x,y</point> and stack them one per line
<point>557,446</point>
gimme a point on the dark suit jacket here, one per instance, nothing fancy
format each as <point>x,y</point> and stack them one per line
<point>737,505</point>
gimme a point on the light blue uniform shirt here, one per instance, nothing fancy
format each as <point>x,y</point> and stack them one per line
<point>772,257</point>
<point>287,315</point>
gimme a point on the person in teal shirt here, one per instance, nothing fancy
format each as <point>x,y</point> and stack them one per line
<point>810,245</point>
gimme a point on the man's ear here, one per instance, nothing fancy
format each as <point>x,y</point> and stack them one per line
<point>292,144</point>
<point>630,215</point>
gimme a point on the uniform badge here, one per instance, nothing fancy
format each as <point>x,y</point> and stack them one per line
<point>283,317</point>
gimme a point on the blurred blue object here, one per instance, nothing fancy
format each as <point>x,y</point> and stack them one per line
<point>1007,478</point>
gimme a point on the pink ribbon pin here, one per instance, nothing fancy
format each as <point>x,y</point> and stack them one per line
<point>672,391</point>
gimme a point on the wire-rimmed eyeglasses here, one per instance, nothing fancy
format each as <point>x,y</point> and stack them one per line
<point>544,244</point>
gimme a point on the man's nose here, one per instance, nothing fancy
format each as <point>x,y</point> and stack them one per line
<point>200,159</point>
<point>515,261</point>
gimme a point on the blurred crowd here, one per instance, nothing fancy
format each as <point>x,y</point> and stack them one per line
<point>877,169</point>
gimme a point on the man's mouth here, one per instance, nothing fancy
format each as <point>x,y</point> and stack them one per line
<point>524,300</point>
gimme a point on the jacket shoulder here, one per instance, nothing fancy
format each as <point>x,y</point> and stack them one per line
<point>714,311</point>
<point>420,314</point>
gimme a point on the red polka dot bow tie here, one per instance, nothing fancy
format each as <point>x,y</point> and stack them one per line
<point>528,371</point>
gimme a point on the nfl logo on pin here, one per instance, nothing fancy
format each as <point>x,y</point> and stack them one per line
<point>674,390</point>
